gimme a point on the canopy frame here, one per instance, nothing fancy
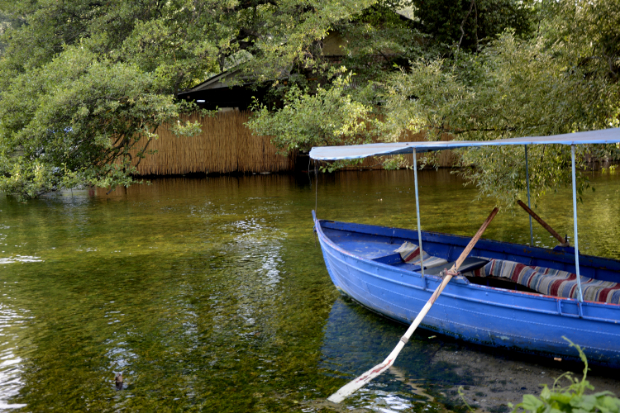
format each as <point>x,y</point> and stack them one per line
<point>417,209</point>
<point>529,205</point>
<point>575,232</point>
<point>605,136</point>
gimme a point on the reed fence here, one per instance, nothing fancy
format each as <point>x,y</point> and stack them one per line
<point>225,145</point>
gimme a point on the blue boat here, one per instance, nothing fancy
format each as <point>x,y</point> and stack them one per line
<point>516,297</point>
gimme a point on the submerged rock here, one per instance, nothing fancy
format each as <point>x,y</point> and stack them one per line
<point>119,381</point>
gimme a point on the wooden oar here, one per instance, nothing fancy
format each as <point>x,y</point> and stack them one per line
<point>546,226</point>
<point>359,382</point>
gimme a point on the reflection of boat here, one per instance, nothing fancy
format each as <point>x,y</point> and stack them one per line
<point>353,337</point>
<point>511,296</point>
<point>432,367</point>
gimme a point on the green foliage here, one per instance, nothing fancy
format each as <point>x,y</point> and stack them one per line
<point>468,23</point>
<point>512,88</point>
<point>69,121</point>
<point>525,79</point>
<point>6,22</point>
<point>328,117</point>
<point>571,398</point>
<point>591,29</point>
<point>377,39</point>
<point>85,82</point>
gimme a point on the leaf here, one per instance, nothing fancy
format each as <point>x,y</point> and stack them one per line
<point>611,404</point>
<point>531,403</point>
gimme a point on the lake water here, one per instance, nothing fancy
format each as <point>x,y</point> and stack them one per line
<point>211,295</point>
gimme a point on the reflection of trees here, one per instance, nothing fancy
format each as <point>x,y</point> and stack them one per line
<point>210,291</point>
<point>182,289</point>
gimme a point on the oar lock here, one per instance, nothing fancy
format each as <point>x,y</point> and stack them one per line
<point>446,271</point>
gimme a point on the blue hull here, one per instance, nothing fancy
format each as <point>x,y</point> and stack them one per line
<point>358,261</point>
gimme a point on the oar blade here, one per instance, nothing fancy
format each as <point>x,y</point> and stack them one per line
<point>354,385</point>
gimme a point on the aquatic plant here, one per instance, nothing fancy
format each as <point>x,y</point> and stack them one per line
<point>571,398</point>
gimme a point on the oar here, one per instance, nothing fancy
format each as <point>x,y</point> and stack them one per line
<point>351,387</point>
<point>546,226</point>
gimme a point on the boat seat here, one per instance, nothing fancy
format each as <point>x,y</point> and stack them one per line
<point>551,282</point>
<point>470,264</point>
<point>412,254</point>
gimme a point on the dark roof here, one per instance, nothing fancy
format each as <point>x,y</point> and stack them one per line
<point>226,79</point>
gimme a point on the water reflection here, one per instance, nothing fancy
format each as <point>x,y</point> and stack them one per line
<point>20,258</point>
<point>210,294</point>
<point>352,343</point>
<point>431,368</point>
<point>10,363</point>
<point>387,198</point>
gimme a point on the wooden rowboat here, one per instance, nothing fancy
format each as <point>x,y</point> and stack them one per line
<point>516,297</point>
<point>491,311</point>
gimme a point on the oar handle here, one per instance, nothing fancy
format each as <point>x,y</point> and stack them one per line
<point>546,226</point>
<point>473,242</point>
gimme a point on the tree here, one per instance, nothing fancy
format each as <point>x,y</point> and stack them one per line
<point>558,82</point>
<point>338,103</point>
<point>470,22</point>
<point>327,117</point>
<point>6,22</point>
<point>85,84</point>
<point>563,79</point>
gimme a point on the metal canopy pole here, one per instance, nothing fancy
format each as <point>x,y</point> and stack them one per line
<point>316,188</point>
<point>417,208</point>
<point>575,235</point>
<point>527,180</point>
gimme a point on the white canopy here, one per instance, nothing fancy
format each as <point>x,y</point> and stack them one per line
<point>332,153</point>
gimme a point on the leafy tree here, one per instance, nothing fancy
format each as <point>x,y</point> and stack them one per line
<point>6,22</point>
<point>513,88</point>
<point>563,79</point>
<point>558,82</point>
<point>469,22</point>
<point>327,117</point>
<point>379,38</point>
<point>337,102</point>
<point>589,32</point>
<point>86,83</point>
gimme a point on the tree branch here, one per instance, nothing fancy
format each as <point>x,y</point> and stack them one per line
<point>471,5</point>
<point>141,153</point>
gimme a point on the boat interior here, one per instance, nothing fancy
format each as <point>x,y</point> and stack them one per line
<point>497,264</point>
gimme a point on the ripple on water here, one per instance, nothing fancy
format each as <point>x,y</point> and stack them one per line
<point>212,295</point>
<point>20,258</point>
<point>10,364</point>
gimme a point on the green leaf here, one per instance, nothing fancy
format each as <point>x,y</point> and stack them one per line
<point>531,403</point>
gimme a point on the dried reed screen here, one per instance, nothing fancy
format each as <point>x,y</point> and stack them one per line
<point>225,145</point>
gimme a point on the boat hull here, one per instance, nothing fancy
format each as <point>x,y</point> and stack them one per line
<point>495,317</point>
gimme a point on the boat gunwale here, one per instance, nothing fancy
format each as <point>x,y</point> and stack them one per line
<point>564,257</point>
<point>497,290</point>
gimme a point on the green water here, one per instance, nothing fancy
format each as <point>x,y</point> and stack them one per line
<point>211,294</point>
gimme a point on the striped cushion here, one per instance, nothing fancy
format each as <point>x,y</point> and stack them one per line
<point>412,254</point>
<point>552,282</point>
